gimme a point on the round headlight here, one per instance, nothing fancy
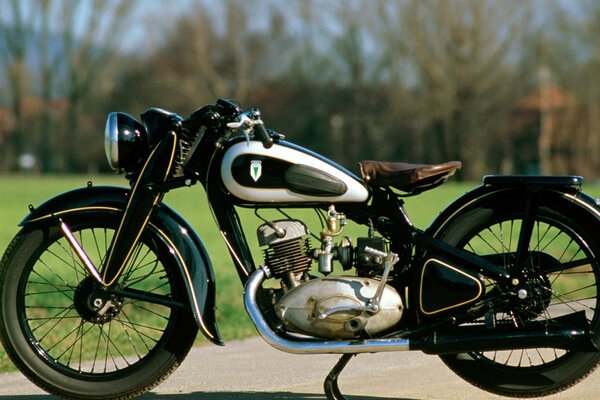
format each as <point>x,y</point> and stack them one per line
<point>125,142</point>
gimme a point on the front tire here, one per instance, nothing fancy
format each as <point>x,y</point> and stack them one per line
<point>563,266</point>
<point>73,338</point>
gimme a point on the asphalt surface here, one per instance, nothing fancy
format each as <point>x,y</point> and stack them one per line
<point>251,370</point>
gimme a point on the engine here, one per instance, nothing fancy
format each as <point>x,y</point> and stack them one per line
<point>332,307</point>
<point>287,252</point>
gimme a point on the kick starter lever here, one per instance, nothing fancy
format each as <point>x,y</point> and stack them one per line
<point>372,305</point>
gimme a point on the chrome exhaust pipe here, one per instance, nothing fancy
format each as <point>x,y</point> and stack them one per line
<point>309,346</point>
<point>567,334</point>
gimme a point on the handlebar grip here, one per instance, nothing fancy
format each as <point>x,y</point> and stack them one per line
<point>261,133</point>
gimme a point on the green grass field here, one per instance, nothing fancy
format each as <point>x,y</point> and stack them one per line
<point>17,192</point>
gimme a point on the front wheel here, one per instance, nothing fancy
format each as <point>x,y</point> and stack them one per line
<point>561,260</point>
<point>77,339</point>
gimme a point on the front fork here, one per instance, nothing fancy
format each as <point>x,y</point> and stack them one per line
<point>80,252</point>
<point>143,197</point>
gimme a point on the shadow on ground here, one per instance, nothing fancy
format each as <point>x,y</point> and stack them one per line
<point>251,396</point>
<point>220,396</point>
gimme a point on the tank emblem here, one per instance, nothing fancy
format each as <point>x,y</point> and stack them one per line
<point>255,169</point>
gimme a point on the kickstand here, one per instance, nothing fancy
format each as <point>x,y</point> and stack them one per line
<point>332,391</point>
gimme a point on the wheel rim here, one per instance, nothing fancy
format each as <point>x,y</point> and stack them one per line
<point>561,278</point>
<point>76,326</point>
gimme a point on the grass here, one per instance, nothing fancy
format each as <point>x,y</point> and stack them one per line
<point>18,191</point>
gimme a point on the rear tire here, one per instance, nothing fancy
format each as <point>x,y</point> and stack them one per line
<point>53,331</point>
<point>563,264</point>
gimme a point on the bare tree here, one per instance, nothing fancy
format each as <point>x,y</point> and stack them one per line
<point>13,59</point>
<point>570,52</point>
<point>57,50</point>
<point>459,52</point>
<point>205,56</point>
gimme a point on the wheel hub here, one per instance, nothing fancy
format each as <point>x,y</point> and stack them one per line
<point>535,295</point>
<point>538,294</point>
<point>95,304</point>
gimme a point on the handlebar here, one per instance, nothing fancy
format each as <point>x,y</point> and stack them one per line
<point>249,122</point>
<point>227,115</point>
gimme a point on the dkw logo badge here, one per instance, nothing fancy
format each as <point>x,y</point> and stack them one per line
<point>255,169</point>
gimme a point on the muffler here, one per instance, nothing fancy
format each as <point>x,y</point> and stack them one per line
<point>463,339</point>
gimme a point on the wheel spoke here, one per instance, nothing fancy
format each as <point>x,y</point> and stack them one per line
<point>59,306</point>
<point>560,260</point>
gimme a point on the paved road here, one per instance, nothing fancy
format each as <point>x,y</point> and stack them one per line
<point>250,370</point>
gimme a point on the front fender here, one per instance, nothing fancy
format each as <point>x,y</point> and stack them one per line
<point>187,248</point>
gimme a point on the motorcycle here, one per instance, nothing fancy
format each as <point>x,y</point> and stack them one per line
<point>103,290</point>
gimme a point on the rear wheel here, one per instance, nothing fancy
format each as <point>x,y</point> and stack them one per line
<point>561,270</point>
<point>77,339</point>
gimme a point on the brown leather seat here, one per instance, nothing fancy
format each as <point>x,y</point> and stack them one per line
<point>410,178</point>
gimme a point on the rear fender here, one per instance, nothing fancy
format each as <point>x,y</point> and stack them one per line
<point>564,190</point>
<point>188,251</point>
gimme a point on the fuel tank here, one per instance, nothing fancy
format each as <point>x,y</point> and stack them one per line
<point>286,173</point>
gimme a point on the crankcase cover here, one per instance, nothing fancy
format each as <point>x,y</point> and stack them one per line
<point>302,307</point>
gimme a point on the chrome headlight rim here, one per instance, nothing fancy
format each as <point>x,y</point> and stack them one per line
<point>111,140</point>
<point>125,142</point>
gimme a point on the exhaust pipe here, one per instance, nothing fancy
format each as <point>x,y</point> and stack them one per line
<point>464,339</point>
<point>309,346</point>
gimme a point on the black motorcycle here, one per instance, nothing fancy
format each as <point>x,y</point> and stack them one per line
<point>103,290</point>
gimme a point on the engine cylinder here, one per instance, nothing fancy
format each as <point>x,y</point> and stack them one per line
<point>288,245</point>
<point>290,256</point>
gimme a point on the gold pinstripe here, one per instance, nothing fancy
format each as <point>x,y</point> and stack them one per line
<point>165,237</point>
<point>189,279</point>
<point>137,237</point>
<point>573,198</point>
<point>584,204</point>
<point>231,249</point>
<point>454,305</point>
<point>56,214</point>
